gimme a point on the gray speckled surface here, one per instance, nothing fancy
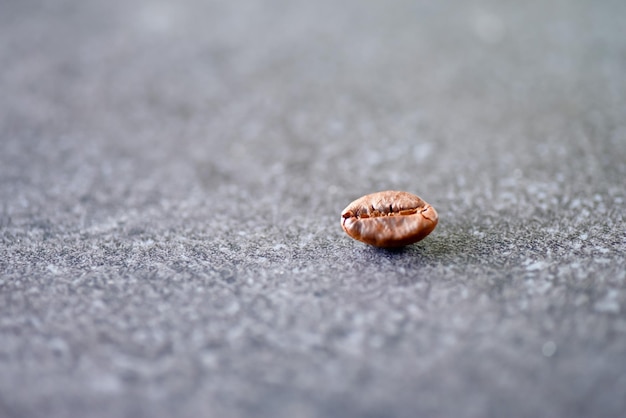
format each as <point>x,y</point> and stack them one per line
<point>171,178</point>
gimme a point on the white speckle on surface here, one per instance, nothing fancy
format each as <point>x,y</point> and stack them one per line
<point>422,151</point>
<point>543,287</point>
<point>537,265</point>
<point>106,383</point>
<point>548,349</point>
<point>158,17</point>
<point>608,304</point>
<point>488,27</point>
<point>52,268</point>
<point>58,345</point>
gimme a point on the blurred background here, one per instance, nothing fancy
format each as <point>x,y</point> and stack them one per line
<point>171,179</point>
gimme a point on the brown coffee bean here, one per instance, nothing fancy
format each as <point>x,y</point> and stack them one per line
<point>389,219</point>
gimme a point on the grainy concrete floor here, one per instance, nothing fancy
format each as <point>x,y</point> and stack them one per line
<point>171,178</point>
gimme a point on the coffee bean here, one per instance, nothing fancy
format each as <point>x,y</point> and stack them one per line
<point>389,219</point>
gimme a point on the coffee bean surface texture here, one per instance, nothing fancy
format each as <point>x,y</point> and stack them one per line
<point>389,219</point>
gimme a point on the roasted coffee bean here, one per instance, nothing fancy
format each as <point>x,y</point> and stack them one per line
<point>389,219</point>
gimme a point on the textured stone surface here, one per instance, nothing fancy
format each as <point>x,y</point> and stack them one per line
<point>171,179</point>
